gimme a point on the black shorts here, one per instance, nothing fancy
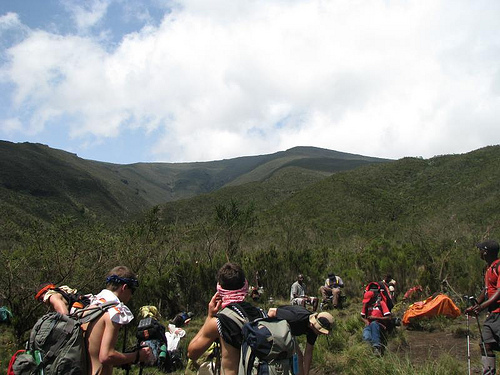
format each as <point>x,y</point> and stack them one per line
<point>491,329</point>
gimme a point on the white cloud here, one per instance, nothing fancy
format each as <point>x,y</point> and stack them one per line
<point>11,125</point>
<point>88,13</point>
<point>239,78</point>
<point>9,21</point>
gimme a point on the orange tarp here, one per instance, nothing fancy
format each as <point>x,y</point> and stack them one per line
<point>432,306</point>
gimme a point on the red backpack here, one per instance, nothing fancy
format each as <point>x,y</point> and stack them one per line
<point>380,289</point>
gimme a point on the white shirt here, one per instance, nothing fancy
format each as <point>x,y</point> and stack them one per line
<point>119,313</point>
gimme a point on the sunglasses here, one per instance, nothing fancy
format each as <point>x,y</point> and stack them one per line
<point>132,289</point>
<point>132,284</point>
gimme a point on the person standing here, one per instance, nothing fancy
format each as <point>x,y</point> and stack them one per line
<point>102,334</point>
<point>490,300</point>
<point>225,319</point>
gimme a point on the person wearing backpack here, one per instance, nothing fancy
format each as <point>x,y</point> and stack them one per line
<point>489,299</point>
<point>304,322</point>
<point>377,318</point>
<point>62,299</point>
<point>226,313</point>
<point>102,334</point>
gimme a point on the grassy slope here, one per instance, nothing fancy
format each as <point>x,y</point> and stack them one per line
<point>372,200</point>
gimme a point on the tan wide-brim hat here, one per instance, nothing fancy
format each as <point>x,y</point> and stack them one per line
<point>323,322</point>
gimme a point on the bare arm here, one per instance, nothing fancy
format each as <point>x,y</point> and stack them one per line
<point>208,332</point>
<point>484,305</point>
<point>107,353</point>
<point>272,312</point>
<point>474,309</point>
<point>57,303</point>
<point>308,358</point>
<point>203,339</point>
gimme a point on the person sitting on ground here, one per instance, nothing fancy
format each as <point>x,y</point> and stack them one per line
<point>489,299</point>
<point>62,299</point>
<point>332,289</point>
<point>303,322</point>
<point>102,334</point>
<point>232,289</point>
<point>298,294</point>
<point>377,318</point>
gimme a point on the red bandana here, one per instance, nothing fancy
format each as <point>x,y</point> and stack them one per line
<point>230,296</point>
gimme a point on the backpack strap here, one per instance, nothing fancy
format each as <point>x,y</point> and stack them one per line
<point>61,339</point>
<point>92,312</point>
<point>235,316</point>
<point>494,267</point>
<point>247,359</point>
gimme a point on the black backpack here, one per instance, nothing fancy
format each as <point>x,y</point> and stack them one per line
<point>57,345</point>
<point>76,300</point>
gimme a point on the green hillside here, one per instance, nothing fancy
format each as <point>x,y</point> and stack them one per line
<point>37,181</point>
<point>417,219</point>
<point>373,199</point>
<point>384,199</point>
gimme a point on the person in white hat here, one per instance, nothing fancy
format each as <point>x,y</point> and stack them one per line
<point>304,322</point>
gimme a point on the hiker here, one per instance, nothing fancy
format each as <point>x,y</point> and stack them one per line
<point>304,322</point>
<point>377,318</point>
<point>232,288</point>
<point>102,334</point>
<point>298,294</point>
<point>62,299</point>
<point>489,299</point>
<point>332,290</point>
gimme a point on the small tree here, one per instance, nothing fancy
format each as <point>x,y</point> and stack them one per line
<point>234,222</point>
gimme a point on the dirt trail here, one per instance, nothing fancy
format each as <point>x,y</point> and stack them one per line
<point>424,346</point>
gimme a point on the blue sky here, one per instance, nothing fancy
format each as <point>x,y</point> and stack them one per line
<point>127,81</point>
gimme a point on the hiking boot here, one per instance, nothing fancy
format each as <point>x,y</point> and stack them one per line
<point>377,351</point>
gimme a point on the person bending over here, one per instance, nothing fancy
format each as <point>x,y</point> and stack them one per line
<point>304,322</point>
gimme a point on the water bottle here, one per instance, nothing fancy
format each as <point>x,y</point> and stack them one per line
<point>295,363</point>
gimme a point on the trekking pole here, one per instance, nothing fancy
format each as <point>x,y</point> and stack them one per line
<point>481,334</point>
<point>124,346</point>
<point>474,300</point>
<point>468,344</point>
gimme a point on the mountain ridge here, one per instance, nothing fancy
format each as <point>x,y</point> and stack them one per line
<point>33,174</point>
